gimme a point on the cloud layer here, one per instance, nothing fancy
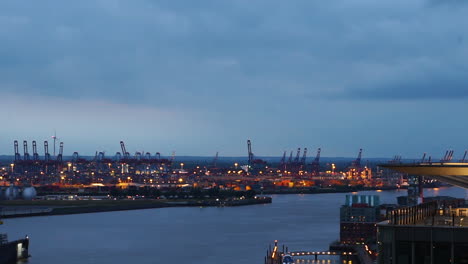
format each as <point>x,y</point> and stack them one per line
<point>271,67</point>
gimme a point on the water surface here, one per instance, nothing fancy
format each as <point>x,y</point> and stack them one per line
<point>190,235</point>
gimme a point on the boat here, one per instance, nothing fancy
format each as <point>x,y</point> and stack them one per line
<point>13,251</point>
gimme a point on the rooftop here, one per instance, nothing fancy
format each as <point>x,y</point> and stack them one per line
<point>447,213</point>
<point>455,173</point>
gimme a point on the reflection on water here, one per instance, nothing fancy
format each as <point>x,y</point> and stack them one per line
<point>191,235</point>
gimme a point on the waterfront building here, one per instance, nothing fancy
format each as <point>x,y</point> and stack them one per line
<point>434,232</point>
<point>358,219</point>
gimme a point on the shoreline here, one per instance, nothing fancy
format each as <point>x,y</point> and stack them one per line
<point>328,190</point>
<point>62,207</point>
<point>23,208</point>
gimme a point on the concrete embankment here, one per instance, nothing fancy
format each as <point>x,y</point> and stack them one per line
<point>11,209</point>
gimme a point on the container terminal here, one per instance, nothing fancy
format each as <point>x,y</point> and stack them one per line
<point>363,226</point>
<point>295,173</point>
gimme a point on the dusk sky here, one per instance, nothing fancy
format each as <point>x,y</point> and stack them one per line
<point>197,77</point>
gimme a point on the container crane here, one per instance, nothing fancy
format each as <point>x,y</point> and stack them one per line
<point>60,155</point>
<point>46,151</point>
<point>282,164</point>
<point>316,163</point>
<point>25,150</point>
<point>252,160</point>
<point>215,160</point>
<point>464,157</point>
<point>448,156</point>
<point>125,154</point>
<point>250,154</point>
<point>17,154</point>
<point>148,156</point>
<point>35,154</point>
<point>357,161</point>
<point>304,157</point>
<point>118,156</point>
<point>296,160</point>
<point>75,157</point>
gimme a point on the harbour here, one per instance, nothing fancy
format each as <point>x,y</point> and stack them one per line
<point>212,235</point>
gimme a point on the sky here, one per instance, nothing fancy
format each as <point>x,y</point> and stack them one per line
<point>197,77</point>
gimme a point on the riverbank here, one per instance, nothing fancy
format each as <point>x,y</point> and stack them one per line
<point>21,208</point>
<point>345,189</point>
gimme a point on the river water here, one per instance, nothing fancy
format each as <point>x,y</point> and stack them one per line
<point>193,235</point>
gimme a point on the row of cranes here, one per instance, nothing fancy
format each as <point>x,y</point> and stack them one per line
<point>51,163</point>
<point>299,164</point>
<point>448,157</point>
<point>27,158</point>
<point>34,163</point>
<point>290,165</point>
<point>125,157</point>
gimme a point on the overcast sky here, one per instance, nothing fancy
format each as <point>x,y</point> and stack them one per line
<point>198,77</point>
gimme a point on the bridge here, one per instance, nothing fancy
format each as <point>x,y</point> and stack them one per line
<point>455,173</point>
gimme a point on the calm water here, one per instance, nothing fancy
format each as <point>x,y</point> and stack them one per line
<point>190,235</point>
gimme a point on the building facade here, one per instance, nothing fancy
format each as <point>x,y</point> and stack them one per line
<point>359,218</point>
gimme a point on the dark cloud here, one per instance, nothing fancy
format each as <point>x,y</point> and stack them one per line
<point>447,2</point>
<point>429,87</point>
<point>237,65</point>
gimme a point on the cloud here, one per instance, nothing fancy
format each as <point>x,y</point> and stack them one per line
<point>421,80</point>
<point>422,89</point>
<point>238,68</point>
<point>446,2</point>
